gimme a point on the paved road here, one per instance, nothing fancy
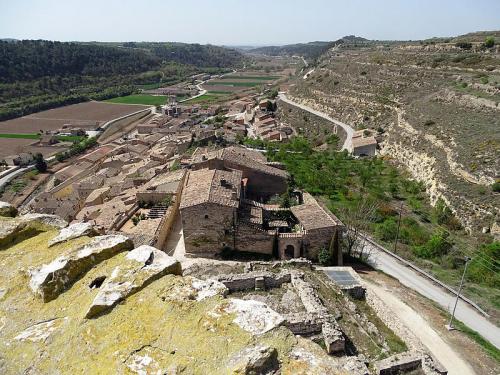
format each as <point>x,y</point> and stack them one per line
<point>347,128</point>
<point>13,174</point>
<point>411,279</point>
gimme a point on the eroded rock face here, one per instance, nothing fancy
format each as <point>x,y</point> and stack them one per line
<point>12,229</point>
<point>254,316</point>
<point>52,279</point>
<point>142,266</point>
<point>73,231</point>
<point>254,360</point>
<point>7,210</point>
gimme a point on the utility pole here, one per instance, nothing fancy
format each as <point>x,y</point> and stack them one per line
<point>449,326</point>
<point>399,226</point>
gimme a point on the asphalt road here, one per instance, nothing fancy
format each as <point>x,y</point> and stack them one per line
<point>411,279</point>
<point>347,128</point>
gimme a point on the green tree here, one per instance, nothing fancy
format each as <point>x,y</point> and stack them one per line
<point>40,163</point>
<point>325,257</point>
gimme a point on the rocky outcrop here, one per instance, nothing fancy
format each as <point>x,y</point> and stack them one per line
<point>142,266</point>
<point>40,331</point>
<point>333,337</point>
<point>52,279</point>
<point>27,226</point>
<point>73,231</point>
<point>7,210</point>
<point>254,360</point>
<point>253,316</point>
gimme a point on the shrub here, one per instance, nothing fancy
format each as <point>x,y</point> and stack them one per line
<point>387,230</point>
<point>464,45</point>
<point>437,246</point>
<point>484,267</point>
<point>496,187</point>
<point>442,212</point>
<point>489,42</point>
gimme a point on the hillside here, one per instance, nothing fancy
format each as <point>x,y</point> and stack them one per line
<point>38,74</point>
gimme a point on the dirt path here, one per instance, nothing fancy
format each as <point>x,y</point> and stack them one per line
<point>424,332</point>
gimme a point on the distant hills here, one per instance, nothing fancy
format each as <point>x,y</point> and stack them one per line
<point>309,50</point>
<point>313,50</point>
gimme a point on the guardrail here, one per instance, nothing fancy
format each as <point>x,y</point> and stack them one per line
<point>423,273</point>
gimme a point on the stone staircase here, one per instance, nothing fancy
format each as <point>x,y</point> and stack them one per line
<point>157,211</point>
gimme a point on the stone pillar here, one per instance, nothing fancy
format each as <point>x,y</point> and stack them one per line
<point>260,283</point>
<point>337,251</point>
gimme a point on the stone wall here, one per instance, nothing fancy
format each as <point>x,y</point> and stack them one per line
<point>286,240</point>
<point>304,324</point>
<point>207,228</point>
<point>246,281</point>
<point>253,239</point>
<point>332,334</point>
<point>318,238</point>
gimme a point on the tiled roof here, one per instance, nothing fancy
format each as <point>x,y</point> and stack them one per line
<point>243,157</point>
<point>212,186</point>
<point>312,216</point>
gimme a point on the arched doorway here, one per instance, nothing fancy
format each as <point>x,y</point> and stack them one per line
<point>289,252</point>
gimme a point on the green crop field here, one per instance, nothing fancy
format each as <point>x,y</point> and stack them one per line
<point>207,98</point>
<point>230,83</point>
<point>140,99</point>
<point>34,136</point>
<point>253,78</point>
<point>70,138</point>
<point>218,92</point>
<point>22,136</point>
<point>150,86</point>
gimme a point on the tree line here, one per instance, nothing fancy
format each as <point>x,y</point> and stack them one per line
<point>36,74</point>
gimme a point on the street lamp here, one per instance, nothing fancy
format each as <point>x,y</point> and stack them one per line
<point>449,326</point>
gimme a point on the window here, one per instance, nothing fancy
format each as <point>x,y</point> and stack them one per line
<point>206,216</point>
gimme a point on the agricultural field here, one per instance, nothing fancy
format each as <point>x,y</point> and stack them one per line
<point>143,99</point>
<point>208,98</point>
<point>20,135</point>
<point>240,81</point>
<point>16,146</point>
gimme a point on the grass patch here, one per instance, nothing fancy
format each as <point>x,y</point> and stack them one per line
<point>140,99</point>
<point>488,347</point>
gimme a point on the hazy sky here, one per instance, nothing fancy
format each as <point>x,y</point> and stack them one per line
<point>255,22</point>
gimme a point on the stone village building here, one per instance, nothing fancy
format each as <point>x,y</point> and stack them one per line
<point>221,209</point>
